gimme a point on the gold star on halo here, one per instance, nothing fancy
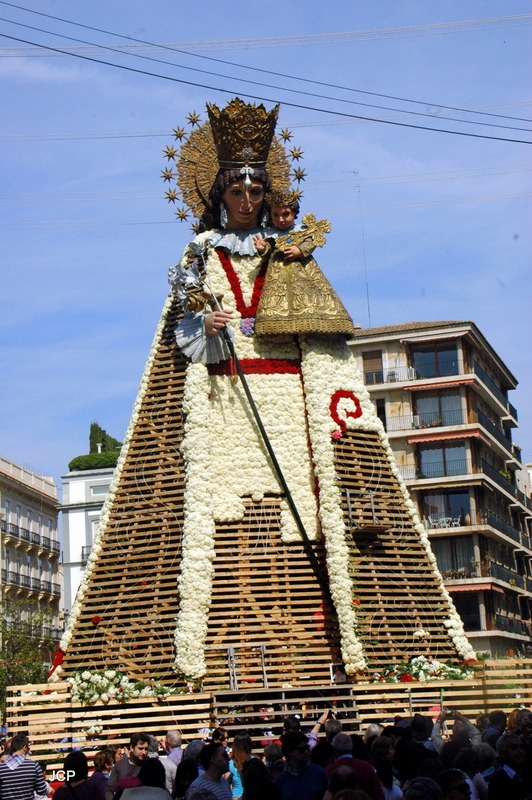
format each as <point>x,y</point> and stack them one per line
<point>182,214</point>
<point>286,135</point>
<point>193,118</point>
<point>171,195</point>
<point>170,152</point>
<point>300,174</point>
<point>195,227</point>
<point>167,174</point>
<point>179,133</point>
<point>296,153</point>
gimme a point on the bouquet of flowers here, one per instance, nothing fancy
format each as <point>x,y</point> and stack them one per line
<point>88,687</point>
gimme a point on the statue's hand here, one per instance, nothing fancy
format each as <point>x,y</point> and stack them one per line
<point>217,320</point>
<point>292,252</point>
<point>260,243</point>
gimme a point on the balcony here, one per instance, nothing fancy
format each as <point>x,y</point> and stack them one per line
<point>494,389</point>
<point>500,525</point>
<point>498,622</point>
<point>496,476</point>
<point>31,537</point>
<point>509,576</point>
<point>393,375</point>
<point>440,469</point>
<point>428,420</point>
<point>496,432</point>
<point>26,582</point>
<point>471,622</point>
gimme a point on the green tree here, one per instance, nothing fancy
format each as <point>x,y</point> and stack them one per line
<point>26,648</point>
<point>99,436</point>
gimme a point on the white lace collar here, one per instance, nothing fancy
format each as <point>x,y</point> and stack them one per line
<point>238,242</point>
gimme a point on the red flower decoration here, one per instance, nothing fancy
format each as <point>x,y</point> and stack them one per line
<point>406,678</point>
<point>356,601</point>
<point>58,660</point>
<point>336,434</point>
<point>144,583</point>
<point>96,619</point>
<point>342,394</point>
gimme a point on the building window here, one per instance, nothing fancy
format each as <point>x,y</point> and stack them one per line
<point>451,505</point>
<point>454,555</point>
<point>29,519</point>
<point>7,506</point>
<point>372,361</point>
<point>100,489</point>
<point>435,360</point>
<point>17,513</point>
<point>39,522</point>
<point>468,608</point>
<point>380,410</point>
<point>441,460</point>
<point>432,409</point>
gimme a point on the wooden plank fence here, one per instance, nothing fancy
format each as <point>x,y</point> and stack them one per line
<point>56,724</point>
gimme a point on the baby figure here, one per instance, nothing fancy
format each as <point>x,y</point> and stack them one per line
<point>284,209</point>
<point>296,297</point>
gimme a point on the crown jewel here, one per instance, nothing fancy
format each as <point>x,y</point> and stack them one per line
<point>284,197</point>
<point>242,133</point>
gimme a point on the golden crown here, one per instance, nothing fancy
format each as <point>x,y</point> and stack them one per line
<point>284,197</point>
<point>242,133</point>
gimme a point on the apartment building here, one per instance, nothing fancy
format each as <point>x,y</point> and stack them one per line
<point>30,547</point>
<point>441,391</point>
<point>84,493</point>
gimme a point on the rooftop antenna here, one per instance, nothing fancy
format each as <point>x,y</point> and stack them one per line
<point>356,174</point>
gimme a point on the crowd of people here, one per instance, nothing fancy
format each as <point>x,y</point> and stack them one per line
<point>415,758</point>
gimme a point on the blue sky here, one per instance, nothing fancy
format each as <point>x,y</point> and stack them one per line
<point>87,236</point>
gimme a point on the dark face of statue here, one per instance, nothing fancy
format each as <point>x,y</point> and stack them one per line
<point>243,205</point>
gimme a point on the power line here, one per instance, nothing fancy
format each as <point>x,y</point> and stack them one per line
<point>284,75</point>
<point>269,85</point>
<point>268,99</point>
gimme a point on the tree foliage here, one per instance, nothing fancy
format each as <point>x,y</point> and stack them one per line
<point>94,461</point>
<point>26,648</point>
<point>99,436</point>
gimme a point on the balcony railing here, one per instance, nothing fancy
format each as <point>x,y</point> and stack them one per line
<point>458,466</point>
<point>471,622</point>
<point>513,411</point>
<point>502,526</point>
<point>498,622</point>
<point>31,537</point>
<point>491,385</point>
<point>496,432</point>
<point>496,476</point>
<point>528,583</point>
<point>27,582</point>
<point>429,420</point>
<point>492,570</point>
<point>408,472</point>
<point>392,375</point>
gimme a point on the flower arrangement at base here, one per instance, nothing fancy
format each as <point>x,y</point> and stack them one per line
<point>88,687</point>
<point>423,668</point>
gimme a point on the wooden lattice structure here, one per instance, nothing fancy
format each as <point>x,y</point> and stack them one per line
<point>52,719</point>
<point>269,622</point>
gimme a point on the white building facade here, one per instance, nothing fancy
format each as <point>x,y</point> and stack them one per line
<point>30,549</point>
<point>84,493</point>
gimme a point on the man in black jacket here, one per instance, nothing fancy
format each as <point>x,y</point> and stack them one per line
<point>508,781</point>
<point>130,765</point>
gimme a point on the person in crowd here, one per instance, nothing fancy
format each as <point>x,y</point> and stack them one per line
<point>372,731</point>
<point>367,777</point>
<point>360,748</point>
<point>486,758</point>
<point>511,724</point>
<point>103,763</point>
<point>508,781</point>
<point>220,736</point>
<point>170,768</point>
<point>240,753</point>
<point>340,779</point>
<point>468,761</point>
<point>422,731</point>
<point>330,724</point>
<point>423,788</point>
<point>172,745</point>
<point>384,770</point>
<point>186,773</point>
<point>152,779</point>
<point>20,777</point>
<point>193,753</point>
<point>77,786</point>
<point>322,754</point>
<point>300,779</point>
<point>409,754</point>
<point>273,759</point>
<point>128,767</point>
<point>255,778</point>
<point>50,791</point>
<point>215,762</point>
<point>463,730</point>
<point>496,727</point>
<point>382,747</point>
<point>454,785</point>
